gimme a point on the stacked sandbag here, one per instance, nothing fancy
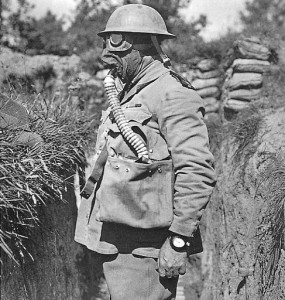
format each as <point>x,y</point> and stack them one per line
<point>206,79</point>
<point>244,77</point>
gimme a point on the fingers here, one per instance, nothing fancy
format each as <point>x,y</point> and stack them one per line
<point>166,270</point>
<point>172,273</point>
<point>162,266</point>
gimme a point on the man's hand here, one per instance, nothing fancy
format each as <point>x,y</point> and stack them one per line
<point>170,262</point>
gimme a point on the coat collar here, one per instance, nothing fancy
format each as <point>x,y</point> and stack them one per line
<point>149,74</point>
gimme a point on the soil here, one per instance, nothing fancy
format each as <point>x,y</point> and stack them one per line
<point>233,262</point>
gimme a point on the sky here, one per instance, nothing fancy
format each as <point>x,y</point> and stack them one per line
<point>221,14</point>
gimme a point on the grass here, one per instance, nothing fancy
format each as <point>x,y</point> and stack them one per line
<point>272,225</point>
<point>31,177</point>
<point>244,132</point>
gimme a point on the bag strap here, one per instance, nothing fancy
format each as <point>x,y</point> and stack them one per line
<point>95,174</point>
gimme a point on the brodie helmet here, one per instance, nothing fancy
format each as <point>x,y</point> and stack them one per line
<point>136,18</point>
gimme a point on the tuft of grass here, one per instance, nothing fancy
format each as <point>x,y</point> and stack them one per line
<point>32,177</point>
<point>244,130</point>
<point>272,225</point>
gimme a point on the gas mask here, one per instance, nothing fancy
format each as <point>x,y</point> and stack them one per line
<point>123,52</point>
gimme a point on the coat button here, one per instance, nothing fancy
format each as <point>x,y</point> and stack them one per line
<point>127,170</point>
<point>159,170</point>
<point>150,150</point>
<point>117,166</point>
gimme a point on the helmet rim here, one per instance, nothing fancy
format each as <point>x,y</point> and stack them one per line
<point>130,30</point>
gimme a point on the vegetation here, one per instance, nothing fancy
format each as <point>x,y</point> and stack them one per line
<point>244,130</point>
<point>264,17</point>
<point>32,177</point>
<point>25,33</point>
<point>272,225</point>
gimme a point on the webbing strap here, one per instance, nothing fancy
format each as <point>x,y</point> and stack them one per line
<point>95,174</point>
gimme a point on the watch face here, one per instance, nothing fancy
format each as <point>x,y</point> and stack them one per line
<point>178,242</point>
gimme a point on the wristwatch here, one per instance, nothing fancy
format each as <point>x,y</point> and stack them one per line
<point>179,243</point>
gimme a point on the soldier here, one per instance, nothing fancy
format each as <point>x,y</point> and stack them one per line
<point>153,175</point>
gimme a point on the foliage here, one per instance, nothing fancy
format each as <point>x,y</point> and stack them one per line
<point>33,177</point>
<point>4,8</point>
<point>47,36</point>
<point>264,17</point>
<point>90,18</point>
<point>19,23</point>
<point>35,36</point>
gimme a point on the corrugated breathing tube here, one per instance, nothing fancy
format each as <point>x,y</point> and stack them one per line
<point>134,139</point>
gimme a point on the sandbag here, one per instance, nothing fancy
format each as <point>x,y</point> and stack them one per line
<point>243,94</point>
<point>190,75</point>
<point>236,105</point>
<point>250,65</point>
<point>211,104</point>
<point>205,83</point>
<point>207,75</point>
<point>209,92</point>
<point>241,80</point>
<point>207,65</point>
<point>251,49</point>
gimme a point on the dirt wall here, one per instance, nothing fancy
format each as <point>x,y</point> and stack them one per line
<point>60,268</point>
<point>241,259</point>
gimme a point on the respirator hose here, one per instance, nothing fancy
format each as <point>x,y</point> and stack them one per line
<point>134,139</point>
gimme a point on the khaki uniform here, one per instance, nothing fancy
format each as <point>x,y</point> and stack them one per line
<point>135,204</point>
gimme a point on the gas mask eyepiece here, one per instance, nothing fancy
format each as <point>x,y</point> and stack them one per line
<point>118,42</point>
<point>116,39</point>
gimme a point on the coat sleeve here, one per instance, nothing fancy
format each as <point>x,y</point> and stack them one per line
<point>181,121</point>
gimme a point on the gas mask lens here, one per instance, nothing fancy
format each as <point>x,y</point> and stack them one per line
<point>116,39</point>
<point>118,42</point>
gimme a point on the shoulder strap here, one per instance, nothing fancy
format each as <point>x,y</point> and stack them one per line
<point>184,81</point>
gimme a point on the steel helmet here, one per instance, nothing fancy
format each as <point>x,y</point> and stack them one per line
<point>136,18</point>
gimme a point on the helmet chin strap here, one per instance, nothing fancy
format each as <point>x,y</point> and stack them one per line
<point>164,57</point>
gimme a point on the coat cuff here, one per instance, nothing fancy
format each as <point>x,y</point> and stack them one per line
<point>187,229</point>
